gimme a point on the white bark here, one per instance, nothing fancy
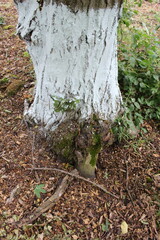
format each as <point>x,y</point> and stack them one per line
<point>74,56</point>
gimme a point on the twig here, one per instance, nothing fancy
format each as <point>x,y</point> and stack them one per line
<point>13,194</point>
<point>49,203</point>
<point>7,160</point>
<point>76,176</point>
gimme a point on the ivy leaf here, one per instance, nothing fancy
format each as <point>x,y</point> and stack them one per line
<point>38,190</point>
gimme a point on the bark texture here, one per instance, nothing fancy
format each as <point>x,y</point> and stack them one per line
<point>76,5</point>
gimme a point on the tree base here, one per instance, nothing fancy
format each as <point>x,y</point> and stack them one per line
<point>86,169</point>
<point>79,144</point>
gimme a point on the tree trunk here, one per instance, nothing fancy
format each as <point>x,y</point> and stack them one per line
<point>73,46</point>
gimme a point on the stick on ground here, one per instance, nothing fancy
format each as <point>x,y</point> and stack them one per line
<point>75,174</point>
<point>49,203</point>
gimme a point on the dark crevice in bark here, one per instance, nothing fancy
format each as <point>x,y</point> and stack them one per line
<point>27,37</point>
<point>41,2</point>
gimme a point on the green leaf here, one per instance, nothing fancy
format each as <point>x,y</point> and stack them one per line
<point>38,190</point>
<point>137,105</point>
<point>1,20</point>
<point>105,227</point>
<point>4,81</point>
<point>156,77</point>
<point>26,54</point>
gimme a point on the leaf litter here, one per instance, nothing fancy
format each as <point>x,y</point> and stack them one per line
<point>83,212</point>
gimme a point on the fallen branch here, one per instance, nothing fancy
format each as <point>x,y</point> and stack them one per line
<point>49,203</point>
<point>76,175</point>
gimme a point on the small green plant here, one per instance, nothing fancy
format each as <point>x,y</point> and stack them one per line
<point>2,20</point>
<point>139,74</point>
<point>126,126</point>
<point>26,54</point>
<point>4,81</point>
<point>106,175</point>
<point>105,227</point>
<point>64,104</point>
<point>39,189</point>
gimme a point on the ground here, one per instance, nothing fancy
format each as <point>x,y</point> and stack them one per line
<point>128,170</point>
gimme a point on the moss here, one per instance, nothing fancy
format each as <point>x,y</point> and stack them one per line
<point>14,87</point>
<point>63,141</point>
<point>95,148</point>
<point>89,145</point>
<point>79,144</point>
<point>64,148</point>
<point>8,27</point>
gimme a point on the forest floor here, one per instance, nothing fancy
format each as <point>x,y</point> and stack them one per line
<point>129,170</point>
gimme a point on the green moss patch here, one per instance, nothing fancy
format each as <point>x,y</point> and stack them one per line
<point>7,27</point>
<point>95,148</point>
<point>63,141</point>
<point>4,81</point>
<point>14,87</point>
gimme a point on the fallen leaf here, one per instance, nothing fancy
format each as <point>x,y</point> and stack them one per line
<point>75,237</point>
<point>22,135</point>
<point>156,155</point>
<point>86,221</point>
<point>124,227</point>
<point>157,180</point>
<point>40,236</point>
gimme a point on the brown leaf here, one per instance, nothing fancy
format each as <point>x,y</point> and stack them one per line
<point>75,237</point>
<point>157,180</point>
<point>86,221</point>
<point>156,155</point>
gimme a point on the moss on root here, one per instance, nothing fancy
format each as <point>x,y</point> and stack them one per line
<point>88,147</point>
<point>63,141</point>
<point>95,148</point>
<point>79,144</point>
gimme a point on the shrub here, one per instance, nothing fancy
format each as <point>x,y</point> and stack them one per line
<point>138,72</point>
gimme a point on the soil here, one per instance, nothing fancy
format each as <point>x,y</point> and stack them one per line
<point>129,170</point>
